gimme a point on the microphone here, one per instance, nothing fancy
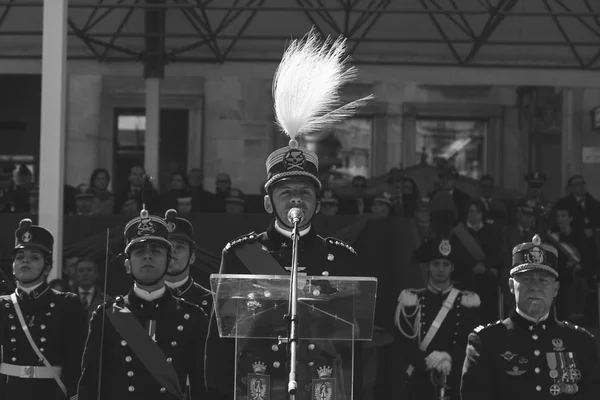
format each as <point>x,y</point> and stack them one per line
<point>295,216</point>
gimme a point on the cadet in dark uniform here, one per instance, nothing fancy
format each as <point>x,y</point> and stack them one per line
<point>181,233</point>
<point>531,355</point>
<point>292,182</point>
<point>43,360</point>
<point>146,344</point>
<point>434,323</point>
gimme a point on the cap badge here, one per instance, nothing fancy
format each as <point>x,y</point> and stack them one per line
<point>294,160</point>
<point>535,256</point>
<point>171,226</point>
<point>26,237</point>
<point>145,227</point>
<point>445,248</point>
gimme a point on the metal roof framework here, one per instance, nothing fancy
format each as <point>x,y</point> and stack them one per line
<point>217,27</point>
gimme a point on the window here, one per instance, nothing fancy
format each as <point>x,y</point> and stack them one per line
<point>344,151</point>
<point>131,131</point>
<point>452,143</point>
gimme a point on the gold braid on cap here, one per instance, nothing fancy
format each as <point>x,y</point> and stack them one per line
<point>307,83</point>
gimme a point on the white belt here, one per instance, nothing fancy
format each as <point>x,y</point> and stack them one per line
<point>25,371</point>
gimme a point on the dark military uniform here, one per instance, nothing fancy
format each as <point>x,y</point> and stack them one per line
<point>114,369</point>
<point>518,359</point>
<point>295,170</point>
<point>54,320</point>
<point>195,293</point>
<point>180,333</point>
<point>317,256</point>
<point>418,313</point>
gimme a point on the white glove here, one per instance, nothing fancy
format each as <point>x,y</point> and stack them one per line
<point>435,358</point>
<point>444,367</point>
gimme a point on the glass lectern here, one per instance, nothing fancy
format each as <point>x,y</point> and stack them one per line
<point>333,314</point>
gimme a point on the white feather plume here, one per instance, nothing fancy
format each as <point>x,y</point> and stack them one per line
<point>307,83</point>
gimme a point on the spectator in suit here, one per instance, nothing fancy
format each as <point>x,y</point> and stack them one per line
<point>202,200</point>
<point>582,206</point>
<point>358,203</point>
<point>89,292</point>
<point>140,188</point>
<point>448,177</point>
<point>178,184</point>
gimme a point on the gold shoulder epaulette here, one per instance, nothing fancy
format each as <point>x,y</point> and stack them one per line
<point>339,243</point>
<point>481,327</point>
<point>578,328</point>
<point>241,239</point>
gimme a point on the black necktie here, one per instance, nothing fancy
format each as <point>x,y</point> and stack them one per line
<point>84,299</point>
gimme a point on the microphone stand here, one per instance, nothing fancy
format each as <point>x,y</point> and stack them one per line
<point>293,314</point>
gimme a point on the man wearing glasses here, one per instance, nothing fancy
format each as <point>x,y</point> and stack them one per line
<point>531,355</point>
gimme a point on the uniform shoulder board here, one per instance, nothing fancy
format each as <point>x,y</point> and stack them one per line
<point>578,328</point>
<point>334,242</point>
<point>481,327</point>
<point>240,240</point>
<point>409,297</point>
<point>5,298</point>
<point>470,299</point>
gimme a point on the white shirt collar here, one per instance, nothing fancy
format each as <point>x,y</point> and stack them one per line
<point>475,227</point>
<point>29,289</point>
<point>531,319</point>
<point>148,296</point>
<point>90,291</point>
<point>175,285</point>
<point>288,234</point>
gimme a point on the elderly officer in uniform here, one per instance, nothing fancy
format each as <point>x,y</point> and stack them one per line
<point>41,344</point>
<point>531,355</point>
<point>292,182</point>
<point>146,344</point>
<point>181,233</point>
<point>434,323</point>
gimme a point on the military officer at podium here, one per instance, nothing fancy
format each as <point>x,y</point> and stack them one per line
<point>531,355</point>
<point>434,323</point>
<point>41,327</point>
<point>179,280</point>
<point>145,345</point>
<point>292,183</point>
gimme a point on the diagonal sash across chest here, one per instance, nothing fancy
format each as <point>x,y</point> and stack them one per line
<point>257,260</point>
<point>437,323</point>
<point>439,319</point>
<point>142,345</point>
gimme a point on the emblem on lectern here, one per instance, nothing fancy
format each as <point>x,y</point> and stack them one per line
<point>259,383</point>
<point>324,387</point>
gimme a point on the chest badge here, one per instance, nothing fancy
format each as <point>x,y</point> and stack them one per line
<point>558,344</point>
<point>516,372</point>
<point>508,355</point>
<point>523,360</point>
